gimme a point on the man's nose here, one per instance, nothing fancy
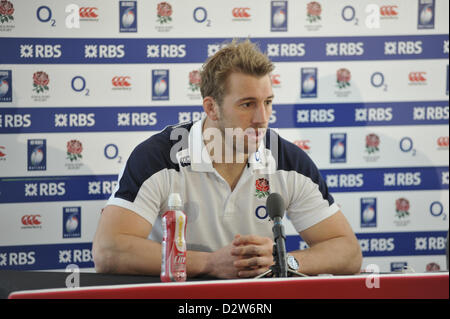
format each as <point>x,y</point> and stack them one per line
<point>261,114</point>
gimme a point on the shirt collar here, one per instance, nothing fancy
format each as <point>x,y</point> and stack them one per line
<point>262,159</point>
<point>200,160</point>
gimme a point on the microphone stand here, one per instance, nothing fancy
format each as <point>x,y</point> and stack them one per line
<point>275,269</point>
<point>275,208</point>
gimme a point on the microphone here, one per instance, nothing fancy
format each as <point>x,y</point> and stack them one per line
<point>275,209</point>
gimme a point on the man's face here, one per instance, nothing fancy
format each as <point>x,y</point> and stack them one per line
<point>246,109</point>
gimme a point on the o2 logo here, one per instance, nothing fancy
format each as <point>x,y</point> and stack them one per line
<point>111,152</point>
<point>349,14</point>
<point>200,15</point>
<point>407,146</point>
<point>78,84</point>
<point>372,20</point>
<point>44,15</point>
<point>437,210</point>
<point>377,81</point>
<point>261,212</point>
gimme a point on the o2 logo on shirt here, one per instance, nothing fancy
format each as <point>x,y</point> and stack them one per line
<point>261,212</point>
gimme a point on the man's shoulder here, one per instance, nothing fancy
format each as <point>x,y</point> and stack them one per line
<point>156,150</point>
<point>162,142</point>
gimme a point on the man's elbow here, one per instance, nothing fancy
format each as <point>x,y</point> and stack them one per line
<point>355,262</point>
<point>103,256</point>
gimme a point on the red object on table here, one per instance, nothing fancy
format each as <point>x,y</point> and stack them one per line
<point>389,286</point>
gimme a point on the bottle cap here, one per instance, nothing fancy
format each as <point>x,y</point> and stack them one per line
<point>175,200</point>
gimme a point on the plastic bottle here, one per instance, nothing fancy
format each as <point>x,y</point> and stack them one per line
<point>173,261</point>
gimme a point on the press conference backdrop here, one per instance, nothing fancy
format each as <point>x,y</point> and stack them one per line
<point>361,86</point>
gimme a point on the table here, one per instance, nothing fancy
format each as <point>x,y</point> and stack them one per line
<point>366,286</point>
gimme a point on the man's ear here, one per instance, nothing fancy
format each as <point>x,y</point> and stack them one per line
<point>211,108</point>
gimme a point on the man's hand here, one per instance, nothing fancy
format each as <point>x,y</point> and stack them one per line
<point>245,256</point>
<point>254,255</point>
<point>220,264</point>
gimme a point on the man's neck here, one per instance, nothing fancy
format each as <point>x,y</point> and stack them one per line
<point>220,152</point>
<point>229,167</point>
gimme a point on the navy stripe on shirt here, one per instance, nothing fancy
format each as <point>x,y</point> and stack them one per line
<point>148,158</point>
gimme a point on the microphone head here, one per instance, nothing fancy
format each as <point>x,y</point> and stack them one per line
<point>275,206</point>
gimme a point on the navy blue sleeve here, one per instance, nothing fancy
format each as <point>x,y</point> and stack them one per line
<point>148,158</point>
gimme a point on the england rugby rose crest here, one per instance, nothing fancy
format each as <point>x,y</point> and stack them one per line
<point>194,80</point>
<point>40,82</point>
<point>402,207</point>
<point>74,149</point>
<point>343,77</point>
<point>164,12</point>
<point>313,11</point>
<point>6,11</point>
<point>372,143</point>
<point>262,188</point>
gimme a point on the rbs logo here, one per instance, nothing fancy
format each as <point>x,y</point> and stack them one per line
<point>377,244</point>
<point>74,120</point>
<point>402,179</point>
<point>403,48</point>
<point>166,51</point>
<point>345,49</point>
<point>45,189</point>
<point>315,116</point>
<point>15,120</point>
<point>345,180</point>
<point>286,49</point>
<point>40,51</point>
<point>371,114</point>
<point>102,51</point>
<point>17,258</point>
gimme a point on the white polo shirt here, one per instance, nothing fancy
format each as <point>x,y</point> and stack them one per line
<point>172,162</point>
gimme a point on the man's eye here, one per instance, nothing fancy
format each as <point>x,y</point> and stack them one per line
<point>248,104</point>
<point>268,102</point>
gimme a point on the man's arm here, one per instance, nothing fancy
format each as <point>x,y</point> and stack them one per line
<point>120,243</point>
<point>333,248</point>
<point>121,246</point>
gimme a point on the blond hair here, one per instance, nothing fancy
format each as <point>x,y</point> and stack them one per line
<point>242,57</point>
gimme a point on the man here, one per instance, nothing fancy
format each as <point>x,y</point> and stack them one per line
<point>224,167</point>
